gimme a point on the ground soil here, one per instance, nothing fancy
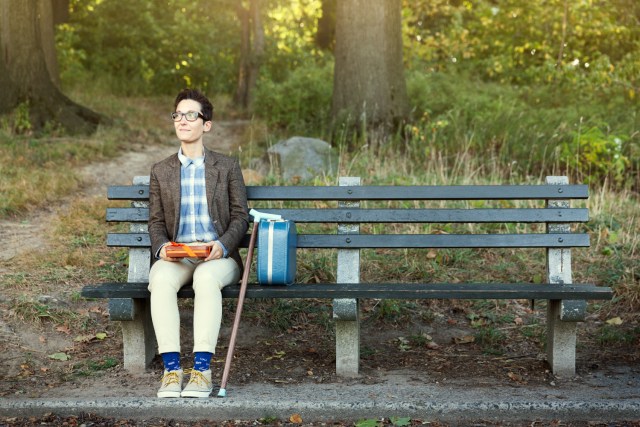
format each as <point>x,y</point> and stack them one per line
<point>441,345</point>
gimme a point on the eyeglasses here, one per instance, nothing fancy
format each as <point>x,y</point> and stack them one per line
<point>191,116</point>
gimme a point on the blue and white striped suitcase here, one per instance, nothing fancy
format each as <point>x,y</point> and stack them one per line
<point>277,242</point>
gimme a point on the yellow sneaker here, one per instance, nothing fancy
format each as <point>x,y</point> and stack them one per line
<point>171,384</point>
<point>199,384</point>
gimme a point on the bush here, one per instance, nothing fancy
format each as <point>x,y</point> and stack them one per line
<point>299,104</point>
<point>523,130</point>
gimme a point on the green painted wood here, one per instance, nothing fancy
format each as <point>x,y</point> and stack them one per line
<point>399,241</point>
<point>401,216</point>
<point>387,192</point>
<point>377,290</point>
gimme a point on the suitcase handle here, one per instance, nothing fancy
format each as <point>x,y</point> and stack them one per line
<point>258,216</point>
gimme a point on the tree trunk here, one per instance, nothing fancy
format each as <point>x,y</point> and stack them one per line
<point>47,38</point>
<point>251,53</point>
<point>27,78</point>
<point>326,35</point>
<point>369,85</point>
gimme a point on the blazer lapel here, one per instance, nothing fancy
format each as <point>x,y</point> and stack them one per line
<point>175,186</point>
<point>212,177</point>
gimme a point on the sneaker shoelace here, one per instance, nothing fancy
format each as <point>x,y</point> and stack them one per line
<point>169,378</point>
<point>199,379</point>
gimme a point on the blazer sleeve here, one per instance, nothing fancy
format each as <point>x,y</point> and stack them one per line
<point>157,220</point>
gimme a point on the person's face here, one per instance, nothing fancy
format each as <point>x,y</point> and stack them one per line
<point>187,131</point>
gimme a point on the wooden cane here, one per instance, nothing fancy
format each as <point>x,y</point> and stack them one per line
<point>236,322</point>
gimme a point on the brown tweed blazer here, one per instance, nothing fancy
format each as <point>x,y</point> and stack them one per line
<point>226,198</point>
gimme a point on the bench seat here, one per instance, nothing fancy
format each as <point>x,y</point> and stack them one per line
<point>528,291</point>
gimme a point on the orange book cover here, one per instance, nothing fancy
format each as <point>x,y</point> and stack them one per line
<point>177,250</point>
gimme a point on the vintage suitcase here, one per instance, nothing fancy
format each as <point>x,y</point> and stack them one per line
<point>277,242</point>
<point>178,250</point>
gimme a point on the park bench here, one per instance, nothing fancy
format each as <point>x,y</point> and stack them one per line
<point>372,217</point>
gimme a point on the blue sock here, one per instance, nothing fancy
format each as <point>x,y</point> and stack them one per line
<point>171,361</point>
<point>202,361</point>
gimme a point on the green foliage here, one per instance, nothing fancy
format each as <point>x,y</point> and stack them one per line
<point>371,422</point>
<point>168,47</point>
<point>525,130</point>
<point>299,104</point>
<point>290,28</point>
<point>18,122</point>
<point>524,42</point>
<point>596,156</point>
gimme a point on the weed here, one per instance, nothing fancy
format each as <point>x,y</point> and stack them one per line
<point>93,366</point>
<point>611,335</point>
<point>491,339</point>
<point>367,351</point>
<point>32,312</point>
<point>268,420</point>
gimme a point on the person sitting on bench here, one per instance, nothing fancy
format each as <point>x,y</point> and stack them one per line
<point>196,197</point>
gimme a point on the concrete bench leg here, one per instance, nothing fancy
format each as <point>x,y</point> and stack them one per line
<point>347,337</point>
<point>561,342</point>
<point>138,337</point>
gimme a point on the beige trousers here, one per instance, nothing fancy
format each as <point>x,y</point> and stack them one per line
<point>165,280</point>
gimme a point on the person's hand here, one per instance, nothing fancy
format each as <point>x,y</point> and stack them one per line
<point>216,251</point>
<point>163,255</point>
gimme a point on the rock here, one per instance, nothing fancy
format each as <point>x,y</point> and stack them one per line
<point>302,159</point>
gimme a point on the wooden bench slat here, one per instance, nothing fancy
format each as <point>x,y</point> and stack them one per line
<point>399,241</point>
<point>423,192</point>
<point>128,192</point>
<point>525,215</point>
<point>387,192</point>
<point>376,291</point>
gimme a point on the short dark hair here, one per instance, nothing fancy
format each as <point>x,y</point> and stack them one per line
<point>196,95</point>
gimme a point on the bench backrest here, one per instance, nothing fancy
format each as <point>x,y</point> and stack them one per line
<point>343,205</point>
<point>377,217</point>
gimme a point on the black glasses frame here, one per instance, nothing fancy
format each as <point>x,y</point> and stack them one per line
<point>176,116</point>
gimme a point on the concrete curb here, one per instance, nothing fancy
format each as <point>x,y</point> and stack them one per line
<point>312,411</point>
<point>608,397</point>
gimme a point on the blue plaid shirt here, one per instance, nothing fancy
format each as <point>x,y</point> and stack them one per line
<point>195,223</point>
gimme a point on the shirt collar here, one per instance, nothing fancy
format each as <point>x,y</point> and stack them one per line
<point>186,161</point>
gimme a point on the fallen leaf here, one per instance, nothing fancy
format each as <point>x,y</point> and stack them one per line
<point>432,346</point>
<point>83,338</point>
<point>101,335</point>
<point>431,254</point>
<point>466,339</point>
<point>518,321</point>
<point>42,339</point>
<point>400,421</point>
<point>60,356</point>
<point>44,369</point>
<point>64,329</point>
<point>515,377</point>
<point>615,321</point>
<point>296,419</point>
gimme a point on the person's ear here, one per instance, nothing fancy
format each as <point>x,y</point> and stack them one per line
<point>207,125</point>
